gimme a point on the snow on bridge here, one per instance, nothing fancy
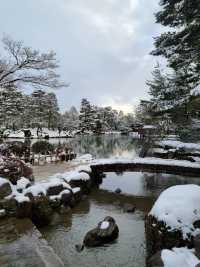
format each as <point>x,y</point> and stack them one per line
<point>153,165</point>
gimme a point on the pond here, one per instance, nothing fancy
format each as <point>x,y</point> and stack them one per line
<point>138,189</point>
<point>101,146</point>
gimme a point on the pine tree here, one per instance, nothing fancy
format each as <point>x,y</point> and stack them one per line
<point>71,119</point>
<point>86,116</point>
<point>160,91</point>
<point>180,46</point>
<point>44,109</point>
<point>11,107</point>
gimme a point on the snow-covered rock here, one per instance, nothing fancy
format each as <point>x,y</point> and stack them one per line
<point>179,208</point>
<point>179,257</point>
<point>23,183</point>
<point>178,144</point>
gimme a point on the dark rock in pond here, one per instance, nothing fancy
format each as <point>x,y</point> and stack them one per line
<point>84,185</point>
<point>155,260</point>
<point>77,194</point>
<point>67,199</point>
<point>41,211</point>
<point>79,247</point>
<point>106,232</point>
<point>118,191</point>
<point>55,190</point>
<point>5,190</point>
<point>129,208</point>
<point>24,209</point>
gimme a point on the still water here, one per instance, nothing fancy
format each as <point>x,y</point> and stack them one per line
<point>138,189</point>
<point>101,146</point>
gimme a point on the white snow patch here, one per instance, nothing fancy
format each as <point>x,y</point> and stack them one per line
<point>167,162</point>
<point>178,144</point>
<point>179,208</point>
<point>22,183</point>
<point>85,168</point>
<point>104,225</point>
<point>71,176</point>
<point>179,257</point>
<point>36,189</point>
<point>21,198</point>
<point>76,190</point>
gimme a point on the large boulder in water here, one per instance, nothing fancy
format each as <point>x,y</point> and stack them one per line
<point>105,232</point>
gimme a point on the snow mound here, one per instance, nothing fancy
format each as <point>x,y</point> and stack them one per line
<point>178,144</point>
<point>71,176</point>
<point>22,183</point>
<point>36,189</point>
<point>179,208</point>
<point>83,168</point>
<point>179,257</point>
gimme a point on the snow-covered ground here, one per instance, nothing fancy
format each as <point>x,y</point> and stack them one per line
<point>179,257</point>
<point>178,144</point>
<point>45,132</point>
<point>179,208</point>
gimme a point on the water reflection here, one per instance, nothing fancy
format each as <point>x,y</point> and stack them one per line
<point>144,184</point>
<point>103,146</point>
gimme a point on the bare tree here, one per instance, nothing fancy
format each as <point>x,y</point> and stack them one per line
<point>25,66</point>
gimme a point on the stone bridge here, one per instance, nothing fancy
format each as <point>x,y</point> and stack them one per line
<point>152,165</point>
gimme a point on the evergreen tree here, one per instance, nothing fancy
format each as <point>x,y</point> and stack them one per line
<point>180,46</point>
<point>44,109</point>
<point>11,106</point>
<point>71,119</point>
<point>159,89</point>
<point>86,116</point>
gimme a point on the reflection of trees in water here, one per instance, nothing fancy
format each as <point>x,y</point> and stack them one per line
<point>158,182</point>
<point>103,146</point>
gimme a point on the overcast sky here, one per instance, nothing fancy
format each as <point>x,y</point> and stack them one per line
<point>103,45</point>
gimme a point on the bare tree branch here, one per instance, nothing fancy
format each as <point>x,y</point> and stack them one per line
<point>25,66</point>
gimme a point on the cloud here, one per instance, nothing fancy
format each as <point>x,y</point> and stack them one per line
<point>103,46</point>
